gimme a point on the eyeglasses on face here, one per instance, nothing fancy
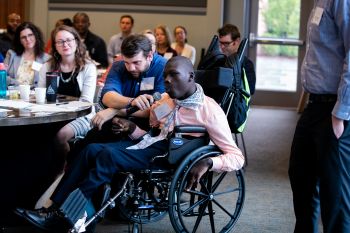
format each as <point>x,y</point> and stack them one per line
<point>69,42</point>
<point>225,43</point>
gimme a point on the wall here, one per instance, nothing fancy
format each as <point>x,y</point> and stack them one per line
<point>38,14</point>
<point>201,28</point>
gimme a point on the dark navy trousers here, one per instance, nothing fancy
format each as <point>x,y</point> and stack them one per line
<point>319,172</point>
<point>96,164</point>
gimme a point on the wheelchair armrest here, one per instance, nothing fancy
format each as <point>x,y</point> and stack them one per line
<point>189,129</point>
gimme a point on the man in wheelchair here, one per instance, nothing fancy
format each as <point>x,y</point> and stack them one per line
<point>183,104</point>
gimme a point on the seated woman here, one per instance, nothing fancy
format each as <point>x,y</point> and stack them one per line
<point>181,46</point>
<point>26,57</point>
<point>78,79</point>
<point>163,41</point>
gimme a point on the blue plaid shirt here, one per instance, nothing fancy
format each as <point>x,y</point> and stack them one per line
<point>325,69</point>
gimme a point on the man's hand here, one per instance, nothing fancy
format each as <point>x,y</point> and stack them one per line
<point>120,125</point>
<point>197,172</point>
<point>102,116</point>
<point>143,102</point>
<point>338,126</point>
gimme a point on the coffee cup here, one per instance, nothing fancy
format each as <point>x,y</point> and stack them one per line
<point>40,95</point>
<point>24,91</point>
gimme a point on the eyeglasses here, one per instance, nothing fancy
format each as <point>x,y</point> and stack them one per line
<point>69,42</point>
<point>27,36</point>
<point>225,43</point>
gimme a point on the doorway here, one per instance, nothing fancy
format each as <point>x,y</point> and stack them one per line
<point>277,31</point>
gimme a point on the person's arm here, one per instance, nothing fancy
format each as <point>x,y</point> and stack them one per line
<point>220,133</point>
<point>42,75</point>
<point>341,109</point>
<point>193,54</point>
<point>11,69</point>
<point>88,79</point>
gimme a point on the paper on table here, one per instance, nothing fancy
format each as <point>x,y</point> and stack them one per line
<point>60,107</point>
<point>47,108</point>
<point>74,105</point>
<point>17,104</point>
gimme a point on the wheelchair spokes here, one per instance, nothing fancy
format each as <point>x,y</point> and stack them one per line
<point>214,206</point>
<point>144,201</point>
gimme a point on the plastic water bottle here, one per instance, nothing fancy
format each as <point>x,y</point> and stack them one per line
<point>3,85</point>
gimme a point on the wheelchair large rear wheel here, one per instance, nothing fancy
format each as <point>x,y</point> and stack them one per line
<point>214,206</point>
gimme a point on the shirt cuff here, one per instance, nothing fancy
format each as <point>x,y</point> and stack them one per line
<point>217,164</point>
<point>137,133</point>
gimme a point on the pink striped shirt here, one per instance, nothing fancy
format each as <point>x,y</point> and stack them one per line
<point>211,116</point>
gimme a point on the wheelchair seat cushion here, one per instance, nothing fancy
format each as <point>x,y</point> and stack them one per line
<point>180,147</point>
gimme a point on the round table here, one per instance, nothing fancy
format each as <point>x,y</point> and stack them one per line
<point>29,164</point>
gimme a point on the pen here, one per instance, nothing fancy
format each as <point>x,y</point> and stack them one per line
<point>62,103</point>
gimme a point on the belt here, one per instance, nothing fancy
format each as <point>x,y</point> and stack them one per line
<point>322,98</point>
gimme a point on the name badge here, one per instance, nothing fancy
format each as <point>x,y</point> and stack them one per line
<point>36,66</point>
<point>147,84</point>
<point>316,18</point>
<point>162,111</point>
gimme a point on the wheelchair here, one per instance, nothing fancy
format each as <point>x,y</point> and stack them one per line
<point>146,196</point>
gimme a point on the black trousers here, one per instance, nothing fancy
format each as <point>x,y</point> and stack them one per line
<point>319,172</point>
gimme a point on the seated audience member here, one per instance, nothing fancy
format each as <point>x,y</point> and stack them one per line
<point>164,39</point>
<point>94,44</point>
<point>181,46</point>
<point>130,83</point>
<point>229,39</point>
<point>149,35</point>
<point>65,21</point>
<point>78,79</point>
<point>27,56</point>
<point>97,163</point>
<point>13,20</point>
<point>126,24</point>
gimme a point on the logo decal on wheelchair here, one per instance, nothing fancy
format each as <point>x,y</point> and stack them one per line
<point>178,141</point>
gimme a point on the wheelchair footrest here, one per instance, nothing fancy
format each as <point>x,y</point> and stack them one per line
<point>74,206</point>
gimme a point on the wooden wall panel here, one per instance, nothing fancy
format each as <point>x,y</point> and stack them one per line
<point>10,6</point>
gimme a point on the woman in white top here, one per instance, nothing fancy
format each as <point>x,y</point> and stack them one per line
<point>27,55</point>
<point>78,79</point>
<point>181,46</point>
